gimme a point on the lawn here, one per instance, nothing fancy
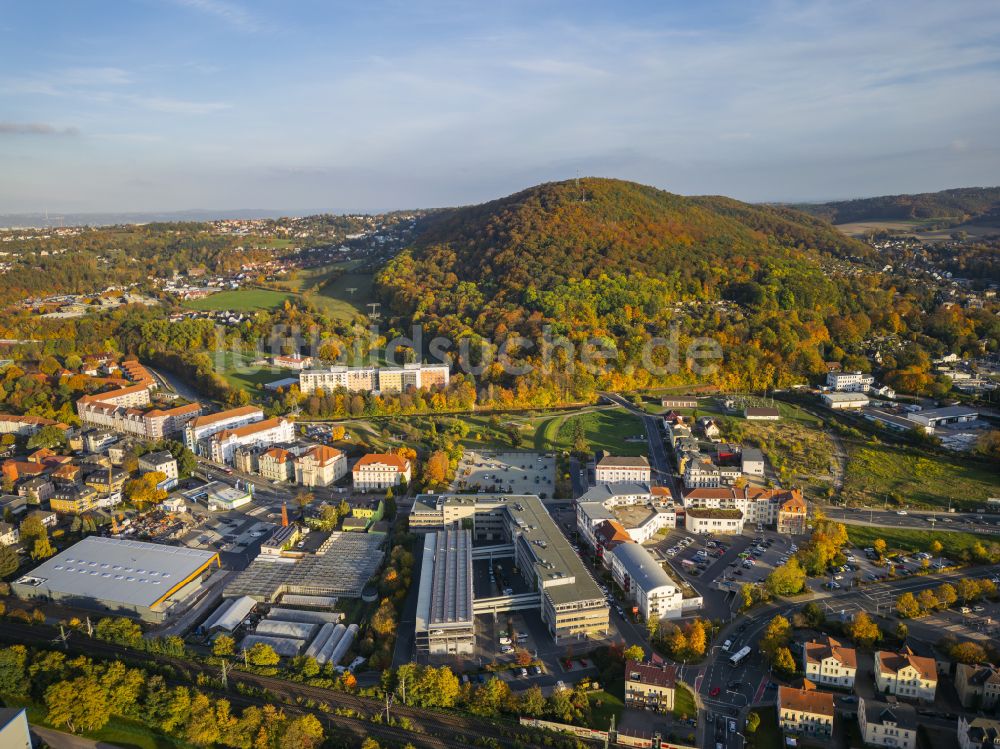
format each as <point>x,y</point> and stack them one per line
<point>605,429</point>
<point>241,300</point>
<point>879,472</point>
<point>955,543</point>
<point>240,371</point>
<point>344,297</point>
<point>602,706</point>
<point>684,704</point>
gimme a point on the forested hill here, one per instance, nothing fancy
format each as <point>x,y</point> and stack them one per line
<point>964,204</point>
<point>548,235</point>
<point>618,261</point>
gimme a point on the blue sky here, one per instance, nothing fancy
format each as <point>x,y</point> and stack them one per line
<point>132,105</point>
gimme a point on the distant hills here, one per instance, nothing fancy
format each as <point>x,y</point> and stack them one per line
<point>43,221</point>
<point>961,205</point>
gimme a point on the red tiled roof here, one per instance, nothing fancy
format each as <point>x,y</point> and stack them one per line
<point>810,701</point>
<point>232,413</point>
<point>389,459</point>
<point>248,429</point>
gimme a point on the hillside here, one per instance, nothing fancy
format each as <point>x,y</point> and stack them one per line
<point>600,258</point>
<point>964,204</point>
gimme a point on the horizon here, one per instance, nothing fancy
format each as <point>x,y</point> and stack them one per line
<point>169,107</point>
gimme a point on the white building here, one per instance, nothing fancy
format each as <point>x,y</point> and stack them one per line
<point>614,470</point>
<point>887,724</point>
<point>723,522</point>
<point>906,675</point>
<point>648,515</point>
<point>200,429</point>
<point>935,417</point>
<point>752,461</point>
<point>320,466</point>
<point>265,433</point>
<point>163,462</point>
<point>849,382</point>
<point>828,663</point>
<point>645,583</point>
<point>844,400</point>
<point>380,471</point>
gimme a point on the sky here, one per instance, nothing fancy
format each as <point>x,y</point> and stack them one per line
<point>318,105</point>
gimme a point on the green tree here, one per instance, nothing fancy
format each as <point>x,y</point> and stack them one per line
<point>80,704</point>
<point>303,732</point>
<point>262,654</point>
<point>32,529</point>
<point>532,701</point>
<point>788,579</point>
<point>48,436</point>
<point>8,561</point>
<point>634,653</point>
<point>489,698</point>
<point>13,670</point>
<point>202,727</point>
<point>902,631</point>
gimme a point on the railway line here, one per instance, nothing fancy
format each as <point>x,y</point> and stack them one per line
<point>429,728</point>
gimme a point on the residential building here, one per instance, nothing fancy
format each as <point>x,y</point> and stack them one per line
<point>887,724</point>
<point>615,470</point>
<point>978,733</point>
<point>844,401</point>
<point>978,685</point>
<point>47,518</point>
<point>645,583</point>
<point>321,465</point>
<point>806,712</point>
<point>99,440</point>
<point>635,506</point>
<point>276,464</point>
<point>752,461</point>
<point>906,675</point>
<point>274,431</point>
<point>163,462</point>
<point>849,382</point>
<point>725,522</point>
<point>827,662</point>
<point>74,500</point>
<point>200,429</point>
<point>371,509</point>
<point>106,481</point>
<point>650,687</point>
<point>151,424</point>
<point>37,490</point>
<point>26,426</point>
<point>366,379</point>
<point>757,504</point>
<point>380,471</point>
<point>9,534</point>
<point>792,514</point>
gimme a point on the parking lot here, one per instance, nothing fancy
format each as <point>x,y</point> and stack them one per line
<point>514,473</point>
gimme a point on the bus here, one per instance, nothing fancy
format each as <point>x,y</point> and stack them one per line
<point>739,656</point>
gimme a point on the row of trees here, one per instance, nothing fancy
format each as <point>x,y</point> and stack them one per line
<point>967,590</point>
<point>82,695</point>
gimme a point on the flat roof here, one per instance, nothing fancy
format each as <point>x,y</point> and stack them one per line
<point>445,595</point>
<point>603,492</point>
<point>946,412</point>
<point>136,573</point>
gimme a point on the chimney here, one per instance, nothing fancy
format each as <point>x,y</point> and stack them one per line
<point>284,515</point>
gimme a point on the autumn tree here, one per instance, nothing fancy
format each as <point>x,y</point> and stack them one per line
<point>777,635</point>
<point>223,645</point>
<point>969,652</point>
<point>786,580</point>
<point>80,704</point>
<point>946,595</point>
<point>262,654</point>
<point>145,490</point>
<point>303,732</point>
<point>697,638</point>
<point>863,630</point>
<point>907,606</point>
<point>783,660</point>
<point>880,547</point>
<point>927,600</point>
<point>968,589</point>
<point>436,470</point>
<point>9,561</point>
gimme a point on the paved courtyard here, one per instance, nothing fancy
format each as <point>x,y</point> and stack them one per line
<point>513,472</point>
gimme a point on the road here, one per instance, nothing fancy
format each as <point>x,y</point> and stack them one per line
<point>917,519</point>
<point>659,460</point>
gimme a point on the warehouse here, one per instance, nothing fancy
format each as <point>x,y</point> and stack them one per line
<point>230,614</point>
<point>119,576</point>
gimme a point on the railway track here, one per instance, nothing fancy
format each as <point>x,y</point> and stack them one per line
<point>429,728</point>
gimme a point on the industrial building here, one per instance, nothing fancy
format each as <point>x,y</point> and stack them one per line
<point>518,526</point>
<point>445,622</point>
<point>119,576</point>
<point>342,566</point>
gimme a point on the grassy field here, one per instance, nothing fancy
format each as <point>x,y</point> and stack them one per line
<point>684,705</point>
<point>241,300</point>
<point>345,297</point>
<point>796,447</point>
<point>240,371</point>
<point>605,429</point>
<point>909,540</point>
<point>875,472</point>
<point>602,706</point>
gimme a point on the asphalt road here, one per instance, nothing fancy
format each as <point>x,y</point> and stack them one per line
<point>918,519</point>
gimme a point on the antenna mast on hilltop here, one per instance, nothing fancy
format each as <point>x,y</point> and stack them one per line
<point>374,314</point>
